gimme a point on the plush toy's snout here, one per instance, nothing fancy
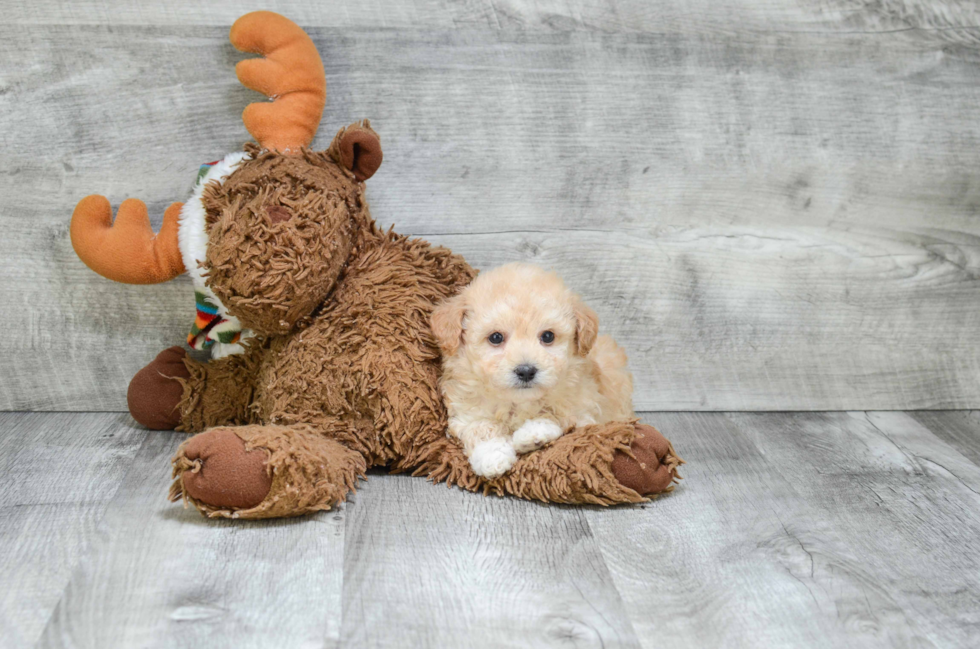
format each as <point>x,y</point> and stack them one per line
<point>280,229</point>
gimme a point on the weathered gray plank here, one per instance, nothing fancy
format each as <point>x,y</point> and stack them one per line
<point>958,428</point>
<point>954,20</point>
<point>764,220</point>
<point>57,473</point>
<point>906,502</point>
<point>162,576</point>
<point>381,14</point>
<point>825,529</point>
<point>426,566</point>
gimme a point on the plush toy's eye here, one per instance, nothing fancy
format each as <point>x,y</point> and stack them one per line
<point>547,337</point>
<point>495,338</point>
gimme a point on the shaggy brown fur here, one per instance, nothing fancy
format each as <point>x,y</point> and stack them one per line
<point>279,231</point>
<point>343,374</point>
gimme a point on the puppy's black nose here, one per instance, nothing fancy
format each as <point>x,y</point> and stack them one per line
<point>525,372</point>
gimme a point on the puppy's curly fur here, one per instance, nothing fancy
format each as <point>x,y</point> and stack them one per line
<point>523,363</point>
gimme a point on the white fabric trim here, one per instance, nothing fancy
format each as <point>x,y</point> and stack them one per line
<point>192,237</point>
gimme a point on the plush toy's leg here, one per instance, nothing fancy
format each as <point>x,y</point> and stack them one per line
<point>264,471</point>
<point>651,466</point>
<point>154,393</point>
<point>603,465</point>
<point>175,391</point>
<point>219,392</point>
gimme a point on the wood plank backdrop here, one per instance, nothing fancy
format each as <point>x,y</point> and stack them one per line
<point>772,204</point>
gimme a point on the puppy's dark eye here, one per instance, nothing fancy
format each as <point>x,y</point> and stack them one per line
<point>496,338</point>
<point>547,337</point>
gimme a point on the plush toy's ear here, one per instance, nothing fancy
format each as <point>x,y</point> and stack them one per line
<point>447,324</point>
<point>358,148</point>
<point>586,328</point>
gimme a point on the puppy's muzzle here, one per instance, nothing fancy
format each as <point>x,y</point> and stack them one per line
<point>525,374</point>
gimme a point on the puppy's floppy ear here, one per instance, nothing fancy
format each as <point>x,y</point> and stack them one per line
<point>447,324</point>
<point>586,327</point>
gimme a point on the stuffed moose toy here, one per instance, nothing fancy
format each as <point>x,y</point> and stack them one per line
<point>323,363</point>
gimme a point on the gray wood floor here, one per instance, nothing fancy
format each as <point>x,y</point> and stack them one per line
<point>818,529</point>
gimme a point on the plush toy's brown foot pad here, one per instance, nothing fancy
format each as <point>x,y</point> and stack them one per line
<point>215,468</point>
<point>264,471</point>
<point>653,467</point>
<point>154,393</point>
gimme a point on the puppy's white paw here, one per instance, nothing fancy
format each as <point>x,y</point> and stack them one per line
<point>492,458</point>
<point>535,433</point>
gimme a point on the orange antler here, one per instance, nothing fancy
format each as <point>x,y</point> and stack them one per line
<point>291,74</point>
<point>126,251</point>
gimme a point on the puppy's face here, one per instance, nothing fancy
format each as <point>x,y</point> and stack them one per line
<point>521,342</point>
<point>516,329</point>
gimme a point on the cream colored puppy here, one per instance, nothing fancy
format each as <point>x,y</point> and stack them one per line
<point>522,363</point>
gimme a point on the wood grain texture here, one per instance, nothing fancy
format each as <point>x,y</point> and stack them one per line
<point>426,566</point>
<point>775,213</point>
<point>789,530</point>
<point>955,20</point>
<point>57,474</point>
<point>163,576</point>
<point>957,428</point>
<point>816,530</point>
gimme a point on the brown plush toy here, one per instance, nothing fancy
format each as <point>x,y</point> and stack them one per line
<point>323,363</point>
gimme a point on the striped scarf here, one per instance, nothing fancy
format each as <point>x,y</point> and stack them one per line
<point>203,170</point>
<point>209,326</point>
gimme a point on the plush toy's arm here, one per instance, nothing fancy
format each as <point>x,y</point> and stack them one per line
<point>219,392</point>
<point>176,392</point>
<point>264,471</point>
<point>604,464</point>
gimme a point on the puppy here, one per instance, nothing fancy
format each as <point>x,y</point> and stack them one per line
<point>522,364</point>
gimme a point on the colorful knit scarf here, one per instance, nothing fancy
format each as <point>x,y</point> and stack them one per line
<point>210,327</point>
<point>203,170</point>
